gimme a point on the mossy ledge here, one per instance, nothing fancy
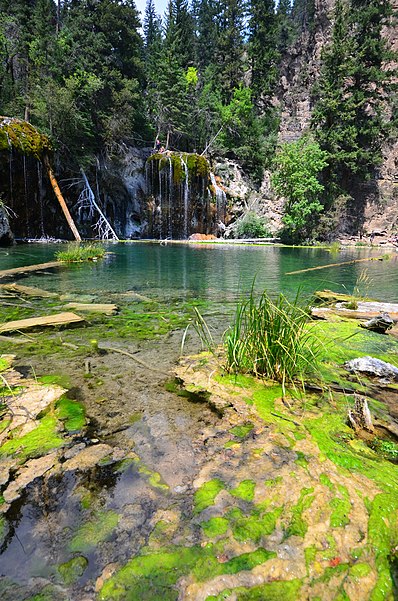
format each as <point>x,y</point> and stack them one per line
<point>197,165</point>
<point>23,137</point>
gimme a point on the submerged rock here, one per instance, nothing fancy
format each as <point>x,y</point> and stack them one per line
<point>373,367</point>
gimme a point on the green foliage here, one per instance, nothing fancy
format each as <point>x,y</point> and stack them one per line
<point>252,226</point>
<point>349,117</point>
<point>271,339</point>
<point>296,178</point>
<point>77,252</point>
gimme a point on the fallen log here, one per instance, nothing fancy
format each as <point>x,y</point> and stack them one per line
<point>59,319</point>
<point>380,258</point>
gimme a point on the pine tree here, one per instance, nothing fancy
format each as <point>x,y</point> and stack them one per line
<point>229,56</point>
<point>348,115</point>
<point>263,49</point>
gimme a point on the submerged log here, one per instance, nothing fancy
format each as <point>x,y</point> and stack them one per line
<point>21,270</point>
<point>106,309</point>
<point>60,319</point>
<point>28,291</point>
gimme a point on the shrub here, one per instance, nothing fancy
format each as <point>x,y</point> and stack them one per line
<point>272,340</point>
<point>76,252</point>
<point>252,226</point>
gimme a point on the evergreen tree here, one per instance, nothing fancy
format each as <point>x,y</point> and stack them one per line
<point>229,63</point>
<point>263,49</point>
<point>205,12</point>
<point>348,116</point>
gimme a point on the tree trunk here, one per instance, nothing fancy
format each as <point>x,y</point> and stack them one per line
<point>61,200</point>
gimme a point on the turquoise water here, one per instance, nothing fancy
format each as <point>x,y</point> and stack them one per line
<point>214,272</point>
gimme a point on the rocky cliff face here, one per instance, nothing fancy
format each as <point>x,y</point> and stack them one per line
<point>300,70</point>
<point>6,236</point>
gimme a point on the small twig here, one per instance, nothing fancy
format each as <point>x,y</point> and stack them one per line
<point>139,361</point>
<point>285,418</point>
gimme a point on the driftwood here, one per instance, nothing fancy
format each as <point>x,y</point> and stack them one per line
<point>335,265</point>
<point>139,361</point>
<point>359,416</point>
<point>60,319</point>
<point>379,324</point>
<point>60,199</point>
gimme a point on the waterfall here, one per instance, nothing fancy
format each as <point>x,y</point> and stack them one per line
<point>186,196</point>
<point>221,199</point>
<point>178,202</point>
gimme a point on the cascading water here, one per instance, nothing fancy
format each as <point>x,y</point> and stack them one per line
<point>178,200</point>
<point>186,196</point>
<point>221,199</point>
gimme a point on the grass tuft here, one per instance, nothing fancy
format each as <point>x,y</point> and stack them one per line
<point>76,252</point>
<point>272,340</point>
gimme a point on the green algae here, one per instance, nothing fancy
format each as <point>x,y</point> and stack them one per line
<point>73,569</point>
<point>360,570</point>
<point>71,413</point>
<point>209,566</point>
<point>206,494</point>
<point>3,529</point>
<point>153,576</point>
<point>383,538</point>
<point>215,527</point>
<point>301,460</point>
<point>91,533</point>
<point>288,590</point>
<point>243,430</point>
<point>252,527</point>
<point>341,507</point>
<point>325,480</point>
<point>154,478</point>
<point>333,437</point>
<point>273,481</point>
<point>244,490</point>
<point>38,442</point>
<point>298,526</point>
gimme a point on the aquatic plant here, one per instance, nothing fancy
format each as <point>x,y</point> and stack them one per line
<point>75,252</point>
<point>271,339</point>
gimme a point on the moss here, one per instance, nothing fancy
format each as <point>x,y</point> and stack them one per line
<point>254,526</point>
<point>73,569</point>
<point>310,554</point>
<point>90,534</point>
<point>383,537</point>
<point>23,137</point>
<point>151,576</point>
<point>154,478</point>
<point>298,526</point>
<point>341,507</point>
<point>244,490</point>
<point>38,442</point>
<point>5,363</point>
<point>360,570</point>
<point>273,481</point>
<point>206,494</point>
<point>288,590</point>
<point>243,430</point>
<point>209,566</point>
<point>323,478</point>
<point>215,527</point>
<point>72,414</point>
<point>301,460</point>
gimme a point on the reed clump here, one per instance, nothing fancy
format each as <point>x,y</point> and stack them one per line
<point>272,339</point>
<point>76,252</point>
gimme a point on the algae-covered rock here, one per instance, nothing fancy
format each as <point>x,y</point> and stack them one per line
<point>22,136</point>
<point>73,569</point>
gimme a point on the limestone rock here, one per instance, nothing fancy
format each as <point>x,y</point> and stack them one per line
<point>373,367</point>
<point>379,324</point>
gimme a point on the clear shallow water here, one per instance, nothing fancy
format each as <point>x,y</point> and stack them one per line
<point>214,272</point>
